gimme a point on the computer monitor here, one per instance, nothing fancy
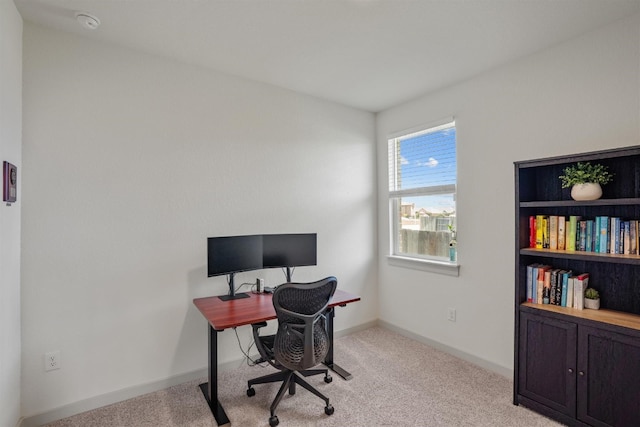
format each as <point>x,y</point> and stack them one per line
<point>289,250</point>
<point>232,254</point>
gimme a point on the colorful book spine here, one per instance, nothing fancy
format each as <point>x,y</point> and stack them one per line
<point>588,245</point>
<point>582,239</point>
<point>596,235</point>
<point>570,280</point>
<point>626,240</point>
<point>571,232</point>
<point>539,232</point>
<point>604,234</point>
<point>553,232</point>
<point>532,231</point>
<point>531,279</point>
<point>553,286</point>
<point>534,284</point>
<point>545,232</point>
<point>546,290</point>
<point>558,300</point>
<point>565,288</point>
<point>540,283</point>
<point>614,235</point>
<point>561,232</point>
<point>580,283</point>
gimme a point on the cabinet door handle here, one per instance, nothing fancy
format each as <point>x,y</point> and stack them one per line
<point>581,373</point>
<point>570,371</point>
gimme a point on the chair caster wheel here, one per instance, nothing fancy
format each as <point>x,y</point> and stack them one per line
<point>328,410</point>
<point>328,379</point>
<point>251,392</point>
<point>274,421</point>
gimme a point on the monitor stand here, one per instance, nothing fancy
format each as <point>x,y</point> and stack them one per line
<point>232,297</point>
<point>232,291</point>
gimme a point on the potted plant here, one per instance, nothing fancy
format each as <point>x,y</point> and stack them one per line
<point>591,299</point>
<point>585,180</point>
<point>452,243</point>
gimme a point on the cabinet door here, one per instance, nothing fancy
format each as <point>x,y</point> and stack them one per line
<point>547,360</point>
<point>608,378</point>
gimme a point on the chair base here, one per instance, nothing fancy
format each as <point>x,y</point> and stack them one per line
<point>289,380</point>
<point>281,376</point>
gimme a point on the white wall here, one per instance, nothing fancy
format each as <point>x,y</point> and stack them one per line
<point>583,95</point>
<point>10,150</point>
<point>131,162</point>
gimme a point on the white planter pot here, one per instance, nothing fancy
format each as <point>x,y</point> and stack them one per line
<point>593,304</point>
<point>588,191</point>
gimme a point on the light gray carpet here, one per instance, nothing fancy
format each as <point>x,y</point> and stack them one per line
<point>396,382</point>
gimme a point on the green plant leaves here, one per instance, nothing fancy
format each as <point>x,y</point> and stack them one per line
<point>584,172</point>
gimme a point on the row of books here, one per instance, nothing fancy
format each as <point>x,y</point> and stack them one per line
<point>602,234</point>
<point>548,285</point>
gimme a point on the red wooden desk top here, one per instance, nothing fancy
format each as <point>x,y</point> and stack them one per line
<point>257,308</point>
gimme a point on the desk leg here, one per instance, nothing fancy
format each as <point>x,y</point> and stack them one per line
<point>328,360</point>
<point>210,388</point>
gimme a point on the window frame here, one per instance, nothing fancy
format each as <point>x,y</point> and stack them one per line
<point>415,261</point>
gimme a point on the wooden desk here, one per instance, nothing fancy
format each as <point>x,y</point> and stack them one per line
<point>222,315</point>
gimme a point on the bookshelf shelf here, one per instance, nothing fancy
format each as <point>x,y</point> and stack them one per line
<point>631,201</point>
<point>579,366</point>
<point>583,256</point>
<point>610,317</point>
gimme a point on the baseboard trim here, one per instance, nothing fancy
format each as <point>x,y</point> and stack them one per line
<point>354,329</point>
<point>138,390</point>
<point>113,397</point>
<point>505,372</point>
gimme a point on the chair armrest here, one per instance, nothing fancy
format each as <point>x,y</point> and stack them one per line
<point>263,343</point>
<point>258,325</point>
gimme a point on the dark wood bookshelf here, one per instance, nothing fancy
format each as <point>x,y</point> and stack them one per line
<point>579,367</point>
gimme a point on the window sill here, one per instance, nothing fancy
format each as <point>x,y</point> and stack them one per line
<point>439,267</point>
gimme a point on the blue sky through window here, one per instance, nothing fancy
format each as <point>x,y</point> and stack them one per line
<point>428,160</point>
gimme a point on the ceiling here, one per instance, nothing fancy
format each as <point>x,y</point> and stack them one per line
<point>368,54</point>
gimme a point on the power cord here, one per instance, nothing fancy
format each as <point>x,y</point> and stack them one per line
<point>241,285</point>
<point>250,362</point>
<point>246,284</point>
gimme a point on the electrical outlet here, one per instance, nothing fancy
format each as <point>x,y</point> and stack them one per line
<point>451,315</point>
<point>52,360</point>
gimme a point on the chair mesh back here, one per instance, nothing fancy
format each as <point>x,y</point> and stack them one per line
<point>300,308</point>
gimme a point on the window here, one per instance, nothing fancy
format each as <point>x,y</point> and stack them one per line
<point>422,193</point>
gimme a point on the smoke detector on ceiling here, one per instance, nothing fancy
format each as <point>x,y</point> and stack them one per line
<point>88,21</point>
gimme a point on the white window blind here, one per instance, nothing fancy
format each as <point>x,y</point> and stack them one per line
<point>422,189</point>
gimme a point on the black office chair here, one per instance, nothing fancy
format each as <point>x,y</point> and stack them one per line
<point>301,341</point>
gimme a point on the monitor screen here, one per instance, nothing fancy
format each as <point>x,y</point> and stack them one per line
<point>233,254</point>
<point>289,250</point>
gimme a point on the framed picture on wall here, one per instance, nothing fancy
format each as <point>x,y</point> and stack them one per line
<point>10,180</point>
